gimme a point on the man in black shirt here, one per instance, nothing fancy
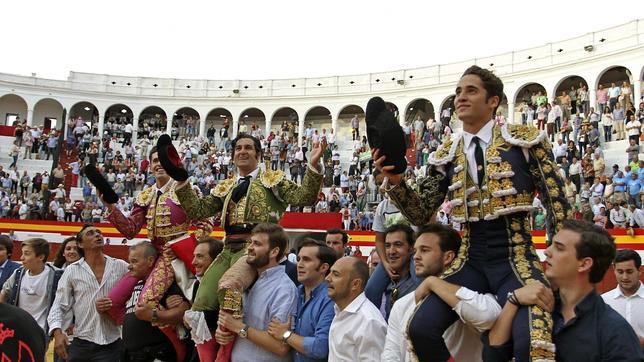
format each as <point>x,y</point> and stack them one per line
<point>143,339</point>
<point>585,328</point>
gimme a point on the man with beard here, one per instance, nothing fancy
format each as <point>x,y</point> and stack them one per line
<point>435,249</point>
<point>274,296</point>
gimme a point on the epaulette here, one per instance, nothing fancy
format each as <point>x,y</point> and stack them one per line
<point>144,197</point>
<point>522,135</point>
<point>270,178</point>
<point>223,188</point>
<point>446,151</point>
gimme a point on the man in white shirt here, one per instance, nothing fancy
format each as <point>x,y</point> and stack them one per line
<point>618,216</point>
<point>628,298</point>
<point>358,328</point>
<point>435,248</point>
<point>560,150</point>
<point>82,295</point>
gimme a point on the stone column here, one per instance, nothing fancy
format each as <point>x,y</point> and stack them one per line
<point>30,117</point>
<point>235,125</point>
<point>510,112</point>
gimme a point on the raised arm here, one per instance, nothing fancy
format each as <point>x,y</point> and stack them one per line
<point>128,226</point>
<point>195,207</point>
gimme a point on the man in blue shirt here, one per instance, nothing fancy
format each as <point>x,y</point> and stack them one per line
<point>620,186</point>
<point>634,188</point>
<point>585,328</point>
<point>272,296</point>
<point>310,338</point>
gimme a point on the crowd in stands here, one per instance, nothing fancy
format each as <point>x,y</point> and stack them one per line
<point>577,131</point>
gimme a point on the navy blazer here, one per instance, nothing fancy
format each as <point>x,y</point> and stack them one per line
<point>7,271</point>
<point>291,270</point>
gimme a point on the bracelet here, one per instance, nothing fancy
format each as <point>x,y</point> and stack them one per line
<point>512,298</point>
<point>155,316</point>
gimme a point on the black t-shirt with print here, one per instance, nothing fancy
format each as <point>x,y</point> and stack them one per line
<point>137,333</point>
<point>21,338</point>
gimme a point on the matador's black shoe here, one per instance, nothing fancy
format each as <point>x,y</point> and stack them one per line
<point>102,186</point>
<point>170,160</point>
<point>385,133</point>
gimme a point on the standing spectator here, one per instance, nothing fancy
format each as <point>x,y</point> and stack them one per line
<point>618,118</point>
<point>632,150</point>
<point>144,341</point>
<point>7,266</point>
<point>309,338</point>
<point>633,129</point>
<point>32,287</point>
<point>602,98</point>
<point>273,297</point>
<point>627,298</point>
<point>355,127</point>
<point>633,187</point>
<point>613,94</point>
<point>579,313</point>
<point>82,295</point>
<point>52,141</point>
<point>607,122</point>
<point>358,329</point>
<point>14,151</point>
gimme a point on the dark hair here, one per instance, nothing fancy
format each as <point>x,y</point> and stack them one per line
<point>79,239</point>
<point>39,245</point>
<point>215,246</point>
<point>406,229</point>
<point>345,236</point>
<point>6,242</point>
<point>448,238</point>
<point>360,270</point>
<point>629,254</point>
<point>277,237</point>
<point>256,143</point>
<point>492,84</point>
<point>152,151</point>
<point>59,259</point>
<point>595,243</point>
<point>325,254</point>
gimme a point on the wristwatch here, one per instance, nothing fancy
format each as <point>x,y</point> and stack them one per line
<point>243,333</point>
<point>155,316</point>
<point>286,336</point>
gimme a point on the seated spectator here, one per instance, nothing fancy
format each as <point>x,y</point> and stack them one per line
<point>576,260</point>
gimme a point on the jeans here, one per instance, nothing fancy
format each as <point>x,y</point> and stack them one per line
<point>85,351</point>
<point>608,133</point>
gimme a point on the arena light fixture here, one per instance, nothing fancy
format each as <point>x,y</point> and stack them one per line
<point>401,81</point>
<point>589,48</point>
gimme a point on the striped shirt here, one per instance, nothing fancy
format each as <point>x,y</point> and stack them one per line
<point>77,292</point>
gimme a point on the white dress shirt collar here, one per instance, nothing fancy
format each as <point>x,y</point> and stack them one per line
<point>253,175</point>
<point>484,134</point>
<point>619,294</point>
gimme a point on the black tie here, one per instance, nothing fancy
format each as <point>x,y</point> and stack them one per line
<point>480,164</point>
<point>241,189</point>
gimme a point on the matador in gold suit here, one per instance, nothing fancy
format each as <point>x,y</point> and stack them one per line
<point>497,254</point>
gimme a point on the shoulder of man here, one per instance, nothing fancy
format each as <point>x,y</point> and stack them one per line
<point>271,178</point>
<point>523,135</point>
<point>446,151</point>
